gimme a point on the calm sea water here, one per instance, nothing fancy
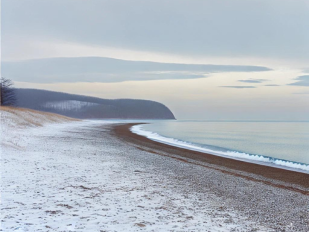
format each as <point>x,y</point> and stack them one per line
<point>272,142</point>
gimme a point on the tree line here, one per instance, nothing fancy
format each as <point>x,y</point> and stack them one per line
<point>7,92</point>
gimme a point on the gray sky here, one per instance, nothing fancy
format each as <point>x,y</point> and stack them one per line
<point>268,33</point>
<point>259,28</point>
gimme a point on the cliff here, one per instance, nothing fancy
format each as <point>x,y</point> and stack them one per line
<point>84,107</point>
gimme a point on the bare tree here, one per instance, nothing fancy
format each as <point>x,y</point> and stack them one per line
<point>7,92</point>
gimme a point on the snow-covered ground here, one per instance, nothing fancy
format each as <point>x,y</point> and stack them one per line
<point>61,175</point>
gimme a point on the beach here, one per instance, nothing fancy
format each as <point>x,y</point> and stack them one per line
<point>280,177</point>
<point>64,175</point>
<point>267,191</point>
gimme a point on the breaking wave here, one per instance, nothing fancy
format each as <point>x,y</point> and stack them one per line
<point>264,160</point>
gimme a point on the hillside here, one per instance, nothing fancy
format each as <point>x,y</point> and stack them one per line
<point>15,119</point>
<point>79,106</point>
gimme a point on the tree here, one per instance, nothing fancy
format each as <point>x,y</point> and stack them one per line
<point>7,92</point>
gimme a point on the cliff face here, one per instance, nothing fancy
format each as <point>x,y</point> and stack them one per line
<point>90,107</point>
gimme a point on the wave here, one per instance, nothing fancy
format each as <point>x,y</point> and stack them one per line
<point>264,160</point>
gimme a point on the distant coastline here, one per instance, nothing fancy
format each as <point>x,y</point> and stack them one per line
<point>86,107</point>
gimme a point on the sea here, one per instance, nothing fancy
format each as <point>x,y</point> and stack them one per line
<point>281,144</point>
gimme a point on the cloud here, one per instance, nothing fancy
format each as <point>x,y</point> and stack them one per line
<point>253,80</point>
<point>302,93</point>
<point>271,85</point>
<point>306,70</point>
<point>227,28</point>
<point>301,81</point>
<point>239,87</point>
<point>107,70</point>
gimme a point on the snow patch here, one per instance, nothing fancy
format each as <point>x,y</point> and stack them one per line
<point>68,105</point>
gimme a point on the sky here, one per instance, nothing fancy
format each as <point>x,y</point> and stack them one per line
<point>260,50</point>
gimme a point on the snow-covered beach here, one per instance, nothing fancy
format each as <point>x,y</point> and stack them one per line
<point>63,175</point>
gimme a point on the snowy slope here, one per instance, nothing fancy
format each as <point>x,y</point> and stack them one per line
<point>14,121</point>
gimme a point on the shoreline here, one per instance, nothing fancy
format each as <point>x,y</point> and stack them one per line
<point>193,147</point>
<point>277,177</point>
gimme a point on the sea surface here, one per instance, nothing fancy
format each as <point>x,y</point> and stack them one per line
<point>281,144</point>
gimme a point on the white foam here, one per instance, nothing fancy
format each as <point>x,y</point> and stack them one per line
<point>267,161</point>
